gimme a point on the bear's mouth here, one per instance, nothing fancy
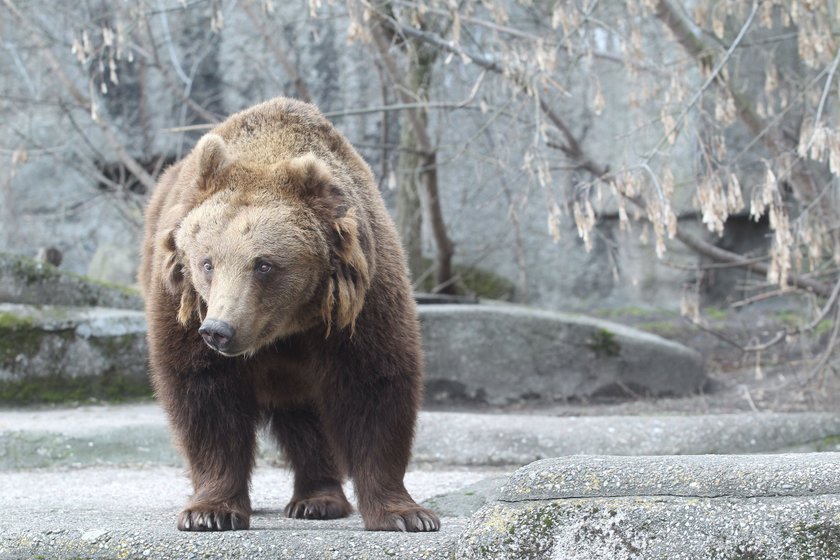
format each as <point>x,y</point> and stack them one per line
<point>228,352</point>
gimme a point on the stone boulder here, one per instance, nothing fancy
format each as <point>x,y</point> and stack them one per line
<point>24,280</point>
<point>63,336</point>
<point>710,506</point>
<point>499,354</point>
<point>57,353</point>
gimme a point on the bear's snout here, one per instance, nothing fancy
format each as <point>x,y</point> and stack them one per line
<point>217,334</point>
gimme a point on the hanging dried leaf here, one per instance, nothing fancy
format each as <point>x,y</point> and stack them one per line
<point>585,221</point>
<point>734,198</point>
<point>554,223</point>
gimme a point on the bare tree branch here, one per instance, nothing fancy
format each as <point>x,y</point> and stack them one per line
<point>279,53</point>
<point>84,102</point>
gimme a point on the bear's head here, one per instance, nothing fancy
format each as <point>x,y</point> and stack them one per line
<point>266,251</point>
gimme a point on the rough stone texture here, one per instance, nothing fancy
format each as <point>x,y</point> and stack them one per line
<point>107,513</point>
<point>48,352</point>
<point>24,280</point>
<point>504,353</point>
<point>657,528</point>
<point>768,507</point>
<point>701,476</point>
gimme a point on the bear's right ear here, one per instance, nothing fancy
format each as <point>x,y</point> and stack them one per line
<point>173,273</point>
<point>176,279</point>
<point>212,158</point>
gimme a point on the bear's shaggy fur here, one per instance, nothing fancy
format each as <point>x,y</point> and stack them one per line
<point>276,291</point>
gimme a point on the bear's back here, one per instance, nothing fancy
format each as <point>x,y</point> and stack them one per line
<point>283,128</point>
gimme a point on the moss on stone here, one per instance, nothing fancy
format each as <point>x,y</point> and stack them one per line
<point>18,336</point>
<point>716,313</point>
<point>823,327</point>
<point>33,271</point>
<point>14,321</point>
<point>76,288</point>
<point>828,443</point>
<point>127,290</point>
<point>604,344</point>
<point>474,281</point>
<point>55,389</point>
<point>113,347</point>
<point>816,541</point>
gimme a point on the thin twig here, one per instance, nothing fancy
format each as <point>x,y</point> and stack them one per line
<point>826,89</point>
<point>761,297</point>
<point>784,333</point>
<point>713,332</point>
<point>829,347</point>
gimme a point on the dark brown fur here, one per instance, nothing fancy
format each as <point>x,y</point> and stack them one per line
<point>335,370</point>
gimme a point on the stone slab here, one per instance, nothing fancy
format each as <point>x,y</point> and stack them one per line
<point>493,354</point>
<point>99,489</point>
<point>504,439</point>
<point>501,354</point>
<point>656,528</point>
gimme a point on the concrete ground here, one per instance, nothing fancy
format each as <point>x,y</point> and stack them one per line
<point>104,482</point>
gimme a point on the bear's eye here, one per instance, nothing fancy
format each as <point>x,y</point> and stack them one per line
<point>263,267</point>
<point>208,266</point>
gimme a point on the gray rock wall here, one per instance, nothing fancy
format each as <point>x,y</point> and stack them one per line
<point>56,197</point>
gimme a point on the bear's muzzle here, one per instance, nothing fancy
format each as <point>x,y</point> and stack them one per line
<point>217,334</point>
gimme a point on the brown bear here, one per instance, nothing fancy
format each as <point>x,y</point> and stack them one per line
<point>277,292</point>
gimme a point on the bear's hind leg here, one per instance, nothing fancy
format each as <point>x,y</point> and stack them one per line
<point>317,493</point>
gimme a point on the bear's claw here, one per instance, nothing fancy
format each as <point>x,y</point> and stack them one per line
<point>224,520</point>
<point>411,520</point>
<point>319,507</point>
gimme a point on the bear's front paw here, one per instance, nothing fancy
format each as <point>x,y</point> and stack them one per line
<point>409,518</point>
<point>216,519</point>
<point>324,506</point>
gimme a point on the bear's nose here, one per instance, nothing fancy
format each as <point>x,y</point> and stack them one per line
<point>217,334</point>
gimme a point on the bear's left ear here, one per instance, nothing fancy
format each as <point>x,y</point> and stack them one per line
<point>349,281</point>
<point>309,178</point>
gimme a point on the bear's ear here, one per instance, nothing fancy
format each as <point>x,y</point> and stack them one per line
<point>347,285</point>
<point>176,279</point>
<point>212,158</point>
<point>308,177</point>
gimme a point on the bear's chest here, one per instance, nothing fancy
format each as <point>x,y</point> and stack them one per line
<point>284,374</point>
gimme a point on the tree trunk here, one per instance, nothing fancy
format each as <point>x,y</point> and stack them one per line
<point>409,210</point>
<point>417,173</point>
